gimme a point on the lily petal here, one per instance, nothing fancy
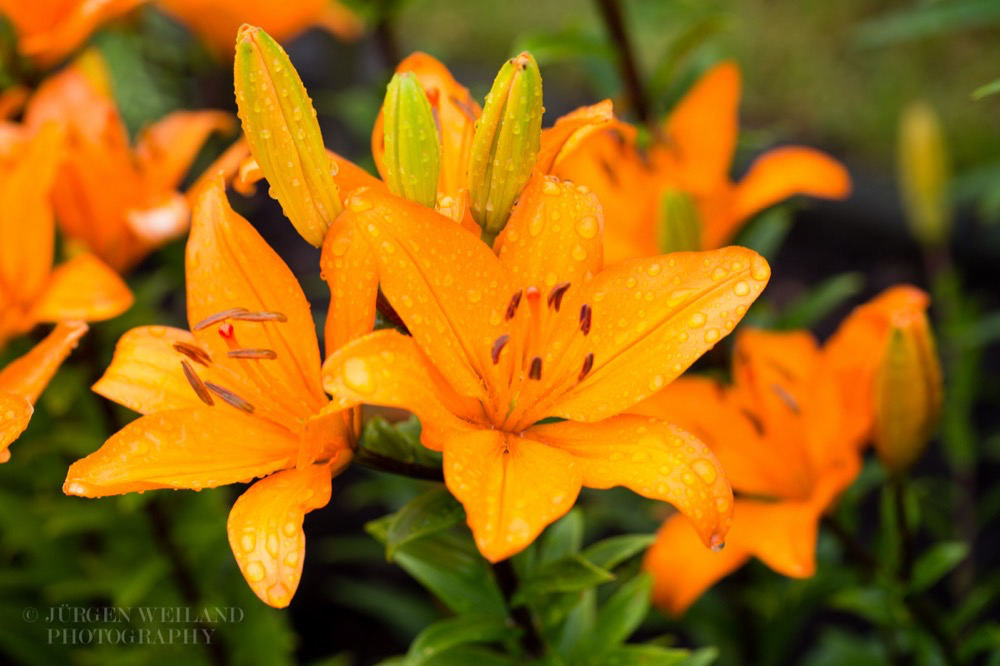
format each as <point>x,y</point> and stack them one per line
<point>83,288</point>
<point>196,447</point>
<point>229,265</point>
<point>166,149</point>
<point>350,266</point>
<point>571,130</point>
<point>166,218</point>
<point>28,375</point>
<point>15,413</point>
<point>554,235</point>
<point>655,459</point>
<point>53,41</point>
<point>387,368</point>
<point>511,487</point>
<point>265,530</point>
<point>641,345</point>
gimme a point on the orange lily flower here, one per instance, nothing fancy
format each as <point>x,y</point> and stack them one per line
<point>788,431</point>
<point>500,343</point>
<point>31,291</point>
<point>143,209</point>
<point>48,30</point>
<point>217,21</point>
<point>238,397</point>
<point>693,155</point>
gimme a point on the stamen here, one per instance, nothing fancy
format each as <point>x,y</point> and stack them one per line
<point>196,354</point>
<point>588,363</point>
<point>260,316</point>
<point>230,397</point>
<point>216,318</point>
<point>195,381</point>
<point>512,306</point>
<point>498,346</point>
<point>536,368</point>
<point>754,421</point>
<point>268,354</point>
<point>585,315</point>
<point>556,295</point>
<point>786,397</point>
<point>226,331</point>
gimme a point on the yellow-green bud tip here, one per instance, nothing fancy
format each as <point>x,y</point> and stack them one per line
<point>924,174</point>
<point>506,143</point>
<point>412,143</point>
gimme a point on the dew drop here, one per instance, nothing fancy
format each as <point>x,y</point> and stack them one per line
<point>697,320</point>
<point>711,335</point>
<point>587,227</point>
<point>705,470</point>
<point>358,376</point>
<point>741,289</point>
<point>255,572</point>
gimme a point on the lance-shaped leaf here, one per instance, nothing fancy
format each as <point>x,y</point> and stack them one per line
<point>506,144</point>
<point>281,127</point>
<point>412,144</point>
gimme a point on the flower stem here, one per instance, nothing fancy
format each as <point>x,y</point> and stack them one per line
<point>506,579</point>
<point>376,461</point>
<point>611,12</point>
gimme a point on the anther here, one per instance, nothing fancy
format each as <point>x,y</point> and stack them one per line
<point>196,354</point>
<point>216,318</point>
<point>195,381</point>
<point>588,363</point>
<point>515,300</point>
<point>260,316</point>
<point>786,397</point>
<point>268,354</point>
<point>498,346</point>
<point>556,295</point>
<point>585,315</point>
<point>230,397</point>
<point>535,372</point>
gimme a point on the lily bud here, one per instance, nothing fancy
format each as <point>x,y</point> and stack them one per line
<point>506,144</point>
<point>907,392</point>
<point>412,144</point>
<point>924,174</point>
<point>679,229</point>
<point>281,127</point>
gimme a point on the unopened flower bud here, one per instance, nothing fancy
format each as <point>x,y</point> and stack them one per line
<point>924,174</point>
<point>679,228</point>
<point>412,144</point>
<point>907,392</point>
<point>281,127</point>
<point>506,144</point>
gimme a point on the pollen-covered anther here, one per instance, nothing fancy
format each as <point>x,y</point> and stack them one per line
<point>260,316</point>
<point>196,354</point>
<point>230,397</point>
<point>515,300</point>
<point>216,318</point>
<point>535,371</point>
<point>585,315</point>
<point>588,363</point>
<point>268,354</point>
<point>556,295</point>
<point>195,381</point>
<point>498,346</point>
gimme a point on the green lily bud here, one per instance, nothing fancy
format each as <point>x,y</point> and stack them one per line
<point>923,174</point>
<point>412,144</point>
<point>506,144</point>
<point>281,127</point>
<point>679,228</point>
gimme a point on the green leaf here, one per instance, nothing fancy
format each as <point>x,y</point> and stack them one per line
<point>448,565</point>
<point>618,617</point>
<point>431,512</point>
<point>931,20</point>
<point>991,88</point>
<point>609,553</point>
<point>579,622</point>
<point>566,575</point>
<point>447,634</point>
<point>397,440</point>
<point>766,232</point>
<point>550,48</point>
<point>648,655</point>
<point>936,563</point>
<point>563,538</point>
<point>810,308</point>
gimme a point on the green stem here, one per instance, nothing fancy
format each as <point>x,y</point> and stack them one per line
<point>611,12</point>
<point>506,579</point>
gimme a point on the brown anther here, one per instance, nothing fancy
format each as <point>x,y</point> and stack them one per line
<point>535,372</point>
<point>268,354</point>
<point>196,354</point>
<point>515,300</point>
<point>498,346</point>
<point>556,295</point>
<point>195,381</point>
<point>216,318</point>
<point>260,316</point>
<point>786,397</point>
<point>588,363</point>
<point>585,314</point>
<point>230,397</point>
<point>754,421</point>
